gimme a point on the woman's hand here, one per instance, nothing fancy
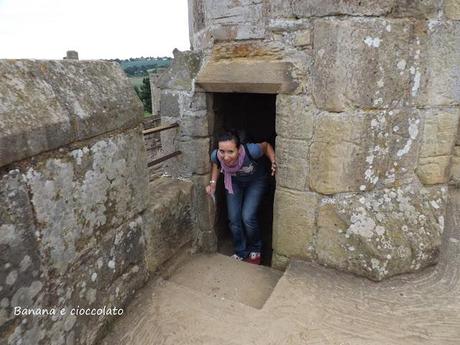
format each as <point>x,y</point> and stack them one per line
<point>211,189</point>
<point>274,167</point>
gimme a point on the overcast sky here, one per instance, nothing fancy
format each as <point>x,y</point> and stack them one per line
<point>97,29</point>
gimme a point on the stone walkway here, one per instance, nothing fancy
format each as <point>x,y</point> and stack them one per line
<point>213,300</point>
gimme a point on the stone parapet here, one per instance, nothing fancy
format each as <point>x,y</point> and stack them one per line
<point>48,104</point>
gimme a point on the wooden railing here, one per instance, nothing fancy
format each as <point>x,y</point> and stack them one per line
<point>157,130</point>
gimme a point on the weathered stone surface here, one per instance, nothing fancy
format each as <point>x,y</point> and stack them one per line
<point>168,220</point>
<point>253,50</point>
<point>452,9</point>
<point>203,206</point>
<point>279,262</point>
<point>438,73</point>
<point>362,151</point>
<point>433,170</point>
<point>47,104</point>
<point>294,116</point>
<point>294,223</point>
<point>194,126</point>
<point>382,233</point>
<point>195,156</point>
<point>156,93</point>
<point>235,20</point>
<point>336,153</point>
<point>321,8</point>
<point>169,104</point>
<point>292,160</point>
<point>182,71</point>
<point>288,24</point>
<point>360,63</point>
<point>438,140</point>
<point>106,276</point>
<point>194,121</point>
<point>21,273</point>
<point>81,195</point>
<point>455,168</point>
<point>253,76</point>
<point>193,104</point>
<point>196,16</point>
<point>416,8</point>
<point>302,38</point>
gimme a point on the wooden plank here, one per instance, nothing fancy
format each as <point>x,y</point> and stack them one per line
<point>159,128</point>
<point>161,159</point>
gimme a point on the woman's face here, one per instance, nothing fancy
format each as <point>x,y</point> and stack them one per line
<point>228,152</point>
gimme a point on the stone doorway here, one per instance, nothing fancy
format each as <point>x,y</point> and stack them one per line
<point>254,114</point>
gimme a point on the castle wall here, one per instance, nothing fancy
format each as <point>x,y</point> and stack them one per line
<point>77,221</point>
<point>367,120</point>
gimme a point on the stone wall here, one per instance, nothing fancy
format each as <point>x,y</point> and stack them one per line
<point>74,231</point>
<point>367,120</point>
<point>183,102</point>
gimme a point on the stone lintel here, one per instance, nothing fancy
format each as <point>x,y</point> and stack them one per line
<point>247,76</point>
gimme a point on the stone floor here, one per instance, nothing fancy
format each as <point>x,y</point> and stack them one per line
<point>214,300</point>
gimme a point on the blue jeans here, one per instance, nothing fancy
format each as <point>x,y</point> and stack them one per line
<point>242,207</point>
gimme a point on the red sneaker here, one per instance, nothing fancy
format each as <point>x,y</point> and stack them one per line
<point>254,258</point>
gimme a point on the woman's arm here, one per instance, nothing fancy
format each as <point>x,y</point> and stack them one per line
<point>268,151</point>
<point>211,188</point>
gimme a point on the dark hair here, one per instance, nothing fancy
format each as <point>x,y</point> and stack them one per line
<point>229,135</point>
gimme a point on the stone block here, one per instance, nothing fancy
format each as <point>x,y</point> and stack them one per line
<point>452,9</point>
<point>294,223</point>
<point>230,20</point>
<point>191,126</point>
<point>382,233</point>
<point>247,76</point>
<point>168,220</point>
<point>289,25</point>
<point>196,15</point>
<point>195,156</point>
<point>293,165</point>
<point>107,275</point>
<point>193,104</point>
<point>439,132</point>
<point>85,193</point>
<point>294,116</point>
<point>21,273</point>
<point>438,74</point>
<point>253,50</point>
<point>279,262</point>
<point>169,104</point>
<point>433,170</point>
<point>302,38</point>
<point>322,8</point>
<point>360,62</point>
<point>48,104</point>
<point>362,151</point>
<point>438,140</point>
<point>180,75</point>
<point>203,205</point>
<point>337,156</point>
<point>422,9</point>
<point>455,167</point>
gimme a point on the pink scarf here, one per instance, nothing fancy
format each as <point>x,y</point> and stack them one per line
<point>230,171</point>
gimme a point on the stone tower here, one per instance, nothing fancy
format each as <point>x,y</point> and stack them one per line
<point>367,112</point>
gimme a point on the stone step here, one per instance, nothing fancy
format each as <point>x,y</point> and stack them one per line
<point>221,276</point>
<point>167,313</point>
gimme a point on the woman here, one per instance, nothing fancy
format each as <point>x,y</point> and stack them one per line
<point>245,183</point>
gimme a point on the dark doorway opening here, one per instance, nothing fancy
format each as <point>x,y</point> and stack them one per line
<point>254,115</point>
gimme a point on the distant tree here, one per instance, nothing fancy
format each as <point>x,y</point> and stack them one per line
<point>146,94</point>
